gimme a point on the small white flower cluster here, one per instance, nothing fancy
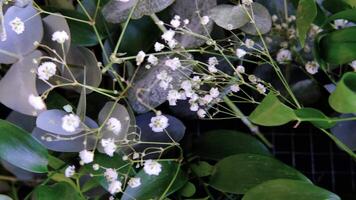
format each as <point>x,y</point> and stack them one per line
<point>159,123</point>
<point>284,56</point>
<point>17,25</point>
<point>46,70</point>
<point>114,125</point>
<point>168,37</point>
<point>246,2</point>
<point>69,171</point>
<point>353,65</point>
<point>240,53</point>
<point>36,102</point>
<point>152,167</point>
<point>213,61</point>
<point>164,79</point>
<point>86,157</point>
<point>312,67</point>
<point>205,20</point>
<point>109,146</point>
<point>70,122</point>
<point>60,37</point>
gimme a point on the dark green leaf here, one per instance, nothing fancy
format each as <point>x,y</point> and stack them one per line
<point>335,6</point>
<point>314,116</point>
<point>306,13</point>
<point>272,112</point>
<point>57,191</point>
<point>250,170</point>
<point>202,168</point>
<point>219,144</point>
<point>343,98</point>
<point>20,149</point>
<point>153,187</point>
<point>188,190</point>
<point>282,189</point>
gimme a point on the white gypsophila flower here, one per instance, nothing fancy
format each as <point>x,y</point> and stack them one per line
<point>68,108</point>
<point>60,36</point>
<point>152,60</point>
<point>36,102</point>
<point>115,187</point>
<point>135,155</point>
<point>240,69</point>
<point>17,25</point>
<point>214,92</point>
<point>261,88</point>
<point>158,46</point>
<point>96,167</point>
<point>213,61</point>
<point>186,21</point>
<point>274,18</point>
<point>175,22</point>
<point>240,53</point>
<point>353,65</point>
<point>168,35</point>
<point>212,69</point>
<point>109,146</point>
<point>114,125</point>
<point>140,57</point>
<point>204,20</point>
<point>134,182</point>
<point>252,78</point>
<point>283,56</point>
<point>173,96</point>
<point>70,171</point>
<point>340,23</point>
<point>152,167</point>
<point>123,1</point>
<point>172,44</point>
<point>186,85</point>
<point>235,88</point>
<point>159,123</point>
<point>70,122</point>
<point>247,2</point>
<point>201,113</point>
<point>206,99</point>
<point>249,43</point>
<point>111,175</point>
<point>86,156</point>
<point>173,63</point>
<point>164,78</point>
<point>194,107</point>
<point>312,67</point>
<point>46,70</point>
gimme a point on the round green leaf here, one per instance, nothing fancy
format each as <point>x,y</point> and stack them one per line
<point>262,18</point>
<point>314,116</point>
<point>339,47</point>
<point>272,112</point>
<point>282,189</point>
<point>20,149</point>
<point>153,187</point>
<point>202,168</point>
<point>59,191</point>
<point>229,17</point>
<point>343,98</point>
<point>219,144</point>
<point>306,14</point>
<point>239,173</point>
<point>188,190</point>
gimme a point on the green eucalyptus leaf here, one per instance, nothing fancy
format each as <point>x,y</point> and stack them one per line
<point>314,116</point>
<point>4,197</point>
<point>229,17</point>
<point>117,11</point>
<point>188,190</point>
<point>153,95</point>
<point>168,181</point>
<point>343,98</point>
<point>202,168</point>
<point>262,20</point>
<point>250,170</point>
<point>349,15</point>
<point>187,9</point>
<point>339,47</point>
<point>306,13</point>
<point>21,150</point>
<point>59,191</point>
<point>306,91</point>
<point>15,94</point>
<point>282,189</point>
<point>272,112</point>
<point>219,144</point>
